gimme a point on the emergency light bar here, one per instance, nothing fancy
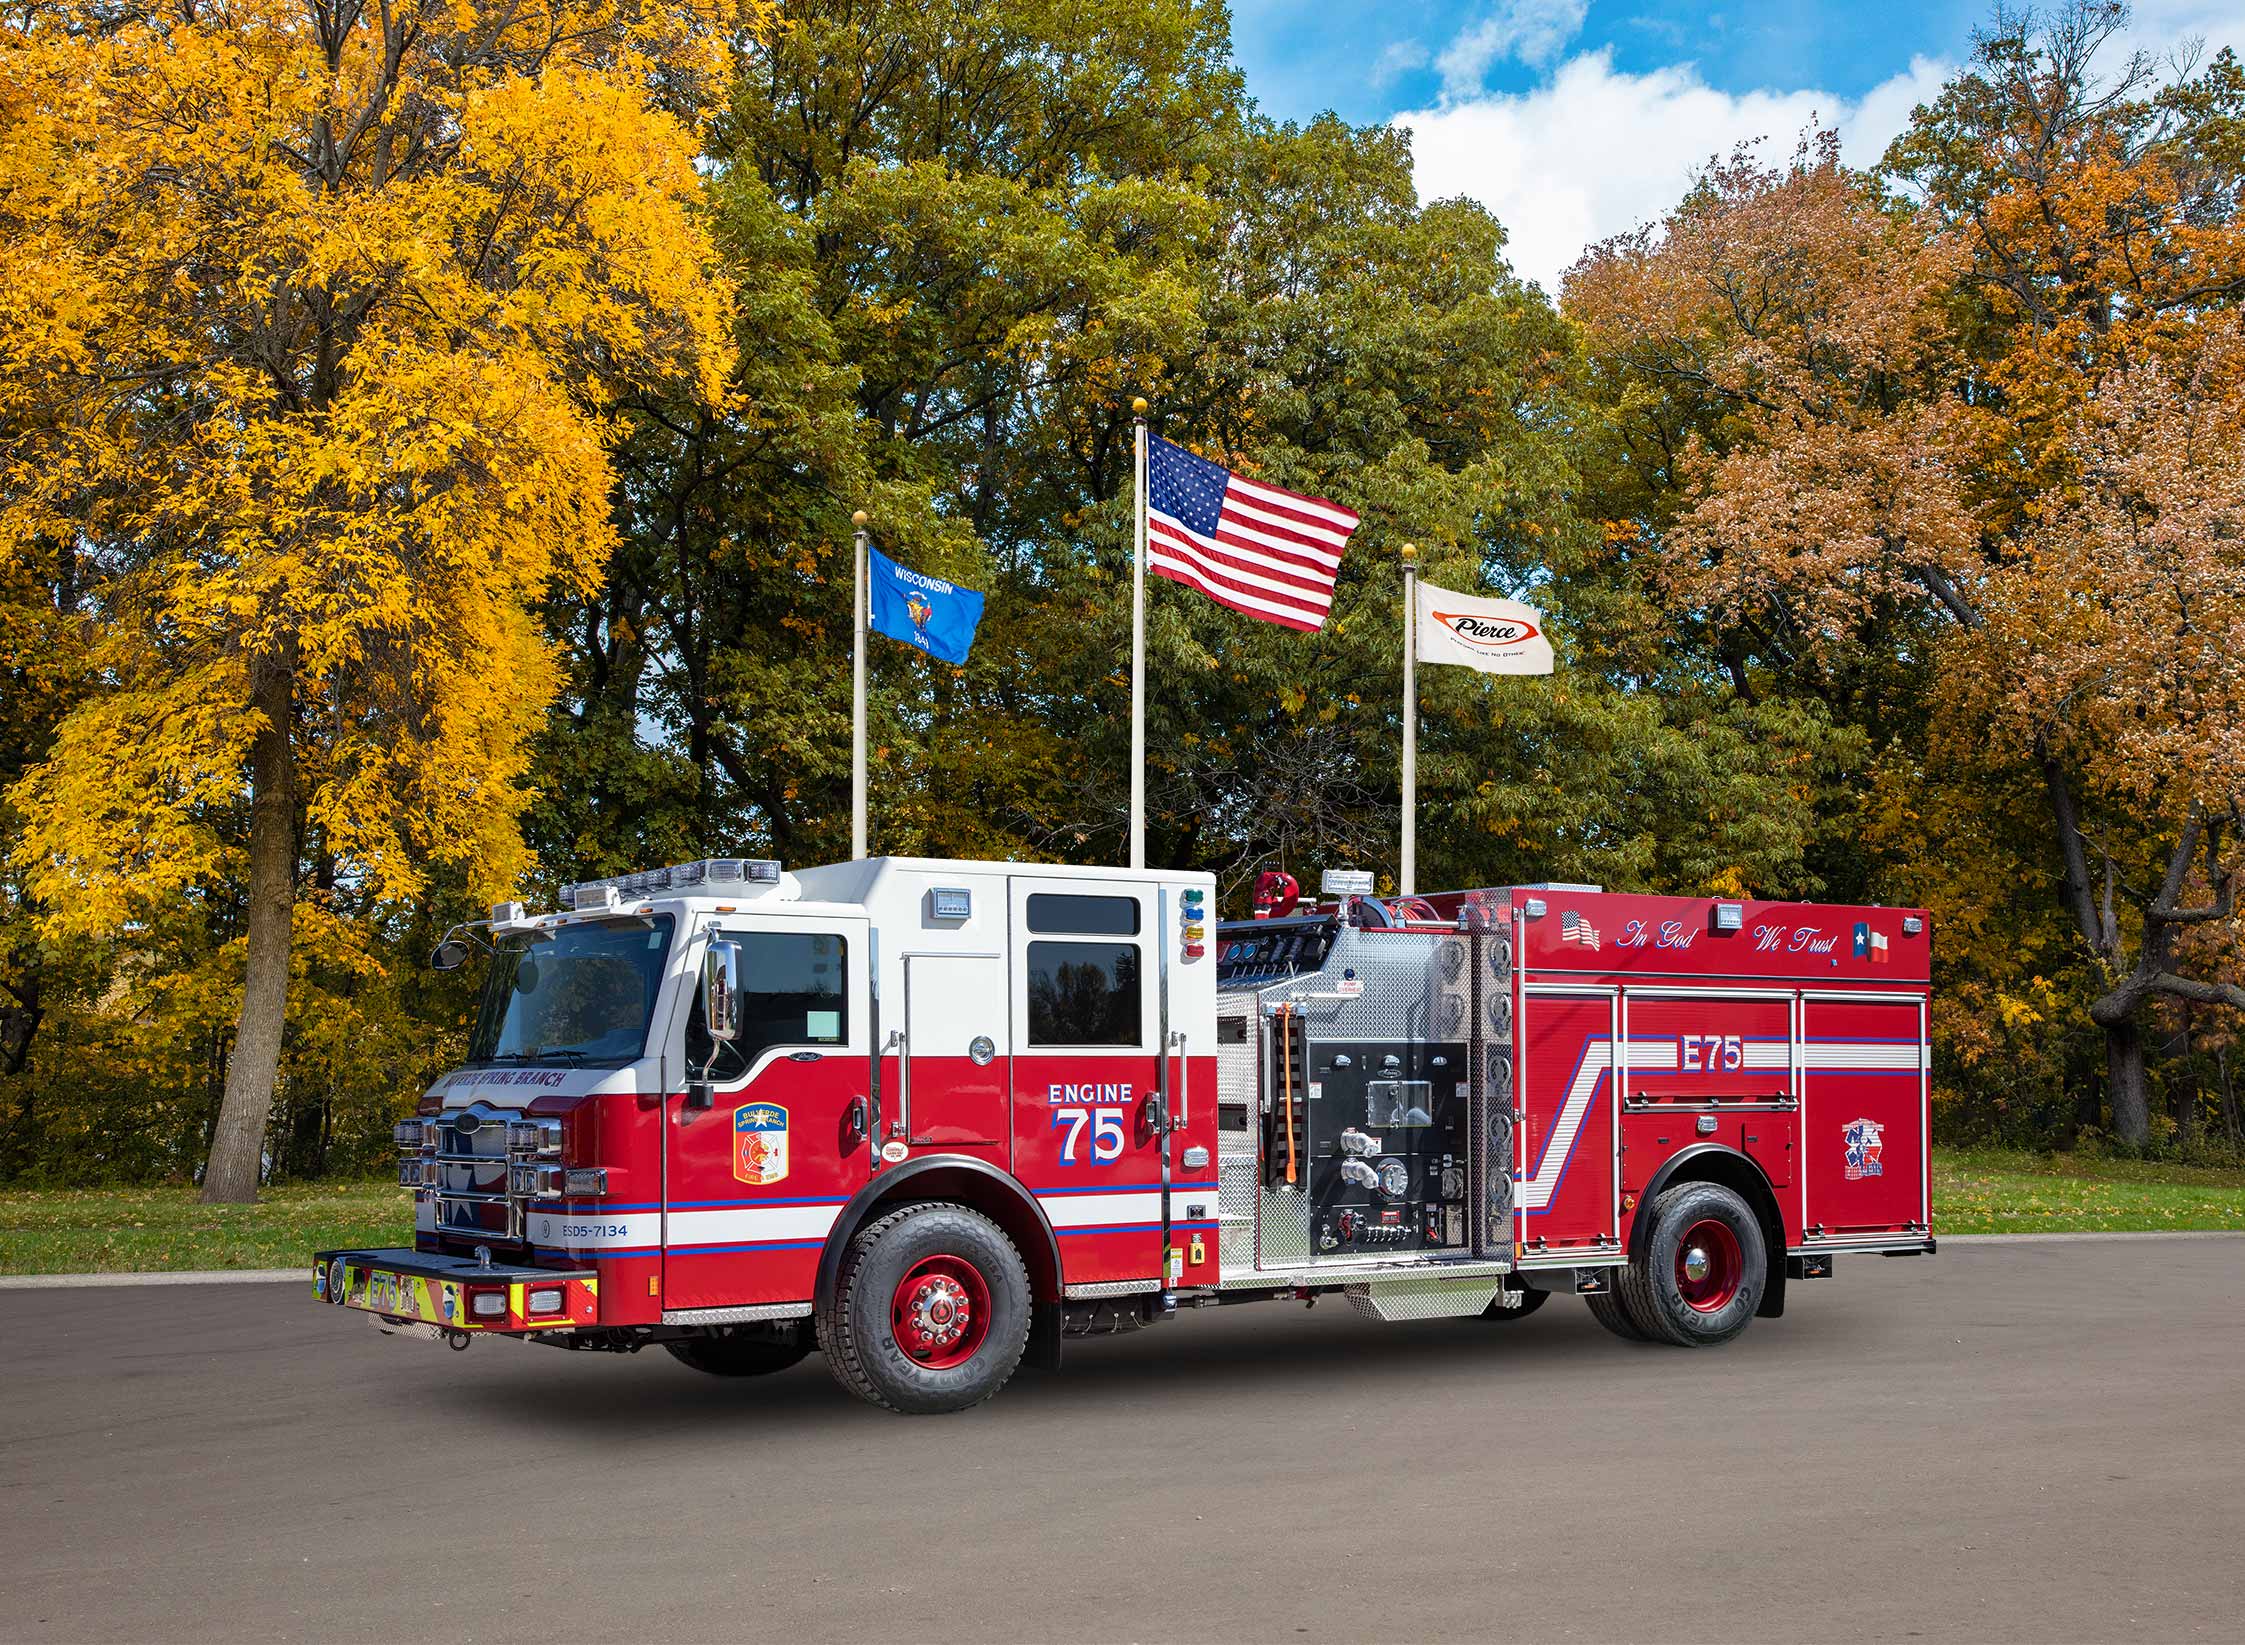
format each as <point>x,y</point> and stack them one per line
<point>709,871</point>
<point>1345,882</point>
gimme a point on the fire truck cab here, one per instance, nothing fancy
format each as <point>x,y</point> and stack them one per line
<point>935,1117</point>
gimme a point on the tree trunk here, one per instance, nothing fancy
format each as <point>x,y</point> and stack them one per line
<point>238,1145</point>
<point>2124,1080</point>
<point>2229,1097</point>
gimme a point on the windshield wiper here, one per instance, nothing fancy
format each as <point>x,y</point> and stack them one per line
<point>566,1052</point>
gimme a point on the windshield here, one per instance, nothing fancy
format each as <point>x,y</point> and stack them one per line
<point>586,994</point>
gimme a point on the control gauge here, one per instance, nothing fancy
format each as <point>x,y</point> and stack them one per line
<point>1395,1178</point>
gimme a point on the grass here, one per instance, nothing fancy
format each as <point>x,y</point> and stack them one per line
<point>148,1230</point>
<point>142,1230</point>
<point>1987,1191</point>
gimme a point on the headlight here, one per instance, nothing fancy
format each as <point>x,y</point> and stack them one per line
<point>533,1136</point>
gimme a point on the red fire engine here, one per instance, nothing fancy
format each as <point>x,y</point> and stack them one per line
<point>933,1118</point>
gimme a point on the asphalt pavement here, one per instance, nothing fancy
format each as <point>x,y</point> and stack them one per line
<point>2032,1442</point>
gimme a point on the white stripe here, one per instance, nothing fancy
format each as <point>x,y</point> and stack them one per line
<point>1253,556</point>
<point>1198,579</point>
<point>1333,535</point>
<point>741,1224</point>
<point>1653,1056</point>
<point>1322,561</point>
<point>1535,1193</point>
<point>1216,568</point>
<point>1308,505</point>
<point>590,1231</point>
<point>1839,1058</point>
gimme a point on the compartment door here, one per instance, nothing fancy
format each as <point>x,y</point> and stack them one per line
<point>1863,1115</point>
<point>1568,1140</point>
<point>955,1095</point>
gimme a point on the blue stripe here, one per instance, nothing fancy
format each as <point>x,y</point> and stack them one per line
<point>727,1204</point>
<point>753,1245</point>
<point>1123,1188</point>
<point>1133,1227</point>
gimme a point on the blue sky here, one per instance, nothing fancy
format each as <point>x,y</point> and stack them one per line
<point>1576,119</point>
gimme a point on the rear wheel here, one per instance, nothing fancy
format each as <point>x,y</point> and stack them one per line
<point>1607,1308</point>
<point>1529,1302</point>
<point>931,1310</point>
<point>1703,1267</point>
<point>741,1356</point>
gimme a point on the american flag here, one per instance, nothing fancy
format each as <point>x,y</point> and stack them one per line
<point>1269,553</point>
<point>1574,928</point>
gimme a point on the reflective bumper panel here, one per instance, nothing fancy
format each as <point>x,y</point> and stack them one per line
<point>457,1293</point>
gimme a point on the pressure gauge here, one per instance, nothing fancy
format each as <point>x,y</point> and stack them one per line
<point>1395,1178</point>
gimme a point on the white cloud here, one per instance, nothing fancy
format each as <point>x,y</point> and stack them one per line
<point>1593,152</point>
<point>1534,31</point>
<point>1397,58</point>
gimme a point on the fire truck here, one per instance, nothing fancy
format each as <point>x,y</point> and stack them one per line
<point>936,1118</point>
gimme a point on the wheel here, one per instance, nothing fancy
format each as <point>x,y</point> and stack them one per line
<point>740,1356</point>
<point>1607,1309</point>
<point>1529,1302</point>
<point>930,1312</point>
<point>1704,1264</point>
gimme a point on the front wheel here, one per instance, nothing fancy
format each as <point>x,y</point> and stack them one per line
<point>1700,1276</point>
<point>931,1310</point>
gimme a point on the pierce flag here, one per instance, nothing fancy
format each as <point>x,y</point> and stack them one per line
<point>925,612</point>
<point>1494,636</point>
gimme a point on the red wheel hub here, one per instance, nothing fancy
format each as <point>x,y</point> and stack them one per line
<point>941,1311</point>
<point>1709,1265</point>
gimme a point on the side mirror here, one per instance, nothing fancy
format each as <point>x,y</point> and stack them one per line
<point>450,955</point>
<point>721,983</point>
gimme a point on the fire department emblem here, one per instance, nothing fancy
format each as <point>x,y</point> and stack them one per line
<point>1861,1139</point>
<point>760,1142</point>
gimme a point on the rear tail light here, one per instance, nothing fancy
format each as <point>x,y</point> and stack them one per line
<point>487,1305</point>
<point>545,1300</point>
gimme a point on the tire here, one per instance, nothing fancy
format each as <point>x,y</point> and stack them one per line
<point>1529,1302</point>
<point>1704,1266</point>
<point>1607,1308</point>
<point>931,1310</point>
<point>740,1356</point>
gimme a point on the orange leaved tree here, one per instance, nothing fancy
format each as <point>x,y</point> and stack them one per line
<point>311,316</point>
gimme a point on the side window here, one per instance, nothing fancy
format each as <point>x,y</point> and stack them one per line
<point>1084,993</point>
<point>794,991</point>
<point>1054,913</point>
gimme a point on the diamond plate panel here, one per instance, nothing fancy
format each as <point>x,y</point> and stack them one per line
<point>1285,1228</point>
<point>1395,1300</point>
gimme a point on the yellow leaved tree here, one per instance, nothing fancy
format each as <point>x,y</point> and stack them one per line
<point>312,318</point>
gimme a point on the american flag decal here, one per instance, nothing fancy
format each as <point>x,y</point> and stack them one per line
<point>1268,553</point>
<point>1574,928</point>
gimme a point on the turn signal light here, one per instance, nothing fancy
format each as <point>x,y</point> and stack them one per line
<point>488,1304</point>
<point>545,1300</point>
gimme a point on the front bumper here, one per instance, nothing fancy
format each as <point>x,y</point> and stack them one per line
<point>457,1293</point>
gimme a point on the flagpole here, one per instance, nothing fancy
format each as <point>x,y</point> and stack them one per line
<point>1138,644</point>
<point>861,592</point>
<point>1408,881</point>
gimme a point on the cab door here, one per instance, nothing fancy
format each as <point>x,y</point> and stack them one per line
<point>754,1181</point>
<point>1085,982</point>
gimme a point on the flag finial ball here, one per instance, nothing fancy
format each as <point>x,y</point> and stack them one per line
<point>858,519</point>
<point>1138,407</point>
<point>1410,551</point>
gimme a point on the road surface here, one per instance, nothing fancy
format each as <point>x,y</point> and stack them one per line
<point>2032,1442</point>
